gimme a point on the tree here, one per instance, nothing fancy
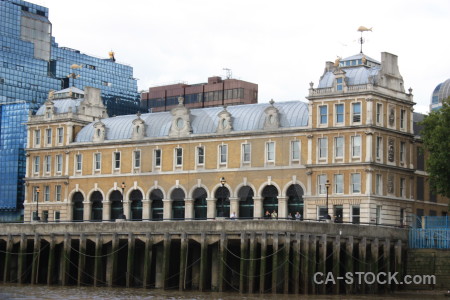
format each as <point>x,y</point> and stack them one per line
<point>436,139</point>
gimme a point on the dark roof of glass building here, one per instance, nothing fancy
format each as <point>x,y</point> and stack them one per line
<point>440,93</point>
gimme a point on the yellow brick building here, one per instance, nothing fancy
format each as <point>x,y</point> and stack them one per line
<point>351,153</point>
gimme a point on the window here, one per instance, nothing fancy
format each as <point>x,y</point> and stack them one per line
<point>270,151</point>
<point>57,216</point>
<point>339,82</point>
<point>157,157</point>
<point>378,184</point>
<point>402,119</point>
<point>379,113</point>
<point>339,113</point>
<point>60,135</point>
<point>323,111</point>
<point>58,163</point>
<point>323,147</point>
<point>78,162</point>
<point>48,136</point>
<point>402,151</point>
<point>57,192</point>
<point>137,159</point>
<point>378,214</point>
<point>46,193</point>
<point>37,137</point>
<point>321,181</point>
<point>322,212</point>
<point>48,163</point>
<point>355,214</point>
<point>246,154</point>
<point>339,183</point>
<point>356,183</point>
<point>179,156</point>
<point>295,150</point>
<point>116,160</point>
<point>37,162</point>
<point>402,187</point>
<point>379,147</point>
<point>339,147</point>
<point>201,155</point>
<point>223,154</point>
<point>356,146</point>
<point>356,112</point>
<point>97,161</point>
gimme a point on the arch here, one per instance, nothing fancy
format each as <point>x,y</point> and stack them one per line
<point>294,195</point>
<point>132,189</point>
<point>160,190</point>
<point>176,187</point>
<point>136,205</point>
<point>156,196</point>
<point>288,185</point>
<point>270,198</point>
<point>177,196</point>
<point>77,200</point>
<point>74,191</point>
<point>242,184</point>
<point>266,184</point>
<point>195,187</point>
<point>246,203</point>
<point>222,195</point>
<point>199,195</point>
<point>116,199</point>
<point>96,198</point>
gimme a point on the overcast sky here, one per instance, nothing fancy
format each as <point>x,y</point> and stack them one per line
<point>280,45</point>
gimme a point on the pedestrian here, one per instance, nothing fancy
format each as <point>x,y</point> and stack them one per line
<point>298,216</point>
<point>267,215</point>
<point>274,215</point>
<point>233,216</point>
<point>289,217</point>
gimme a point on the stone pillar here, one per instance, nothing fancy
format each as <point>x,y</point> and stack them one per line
<point>65,259</point>
<point>189,209</point>
<point>282,207</point>
<point>127,209</point>
<point>369,147</point>
<point>69,211</point>
<point>387,262</point>
<point>112,265</point>
<point>349,263</point>
<point>296,264</point>
<point>215,272</point>
<point>159,266</point>
<point>166,260</point>
<point>243,263</point>
<point>369,176</point>
<point>183,261</point>
<point>374,261</point>
<point>398,259</point>
<point>146,207</point>
<point>262,270</point>
<point>87,210</point>
<point>81,260</point>
<point>148,255</point>
<point>336,262</point>
<point>210,208</point>
<point>203,261</point>
<point>6,270</point>
<point>234,206</point>
<point>287,249</point>
<point>98,260</point>
<point>362,262</point>
<point>275,262</point>
<point>304,260</point>
<point>308,190</point>
<point>369,106</point>
<point>22,258</point>
<point>222,261</point>
<point>130,261</point>
<point>310,151</point>
<point>252,267</point>
<point>167,209</point>
<point>51,260</point>
<point>36,253</point>
<point>106,210</point>
<point>257,207</point>
<point>312,264</point>
<point>322,267</point>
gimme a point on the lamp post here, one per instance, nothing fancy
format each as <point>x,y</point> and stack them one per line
<point>327,185</point>
<point>222,182</point>
<point>36,217</point>
<point>123,186</point>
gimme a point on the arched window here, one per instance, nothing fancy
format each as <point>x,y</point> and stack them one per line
<point>295,199</point>
<point>245,195</point>
<point>177,197</point>
<point>200,206</point>
<point>97,206</point>
<point>156,196</point>
<point>116,200</point>
<point>270,200</point>
<point>136,205</point>
<point>78,207</point>
<point>223,202</point>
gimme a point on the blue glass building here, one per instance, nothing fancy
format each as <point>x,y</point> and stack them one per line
<point>31,64</point>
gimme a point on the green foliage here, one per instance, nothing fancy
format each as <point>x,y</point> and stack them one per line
<point>436,138</point>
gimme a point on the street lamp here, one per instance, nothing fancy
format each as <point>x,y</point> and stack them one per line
<point>327,185</point>
<point>123,186</point>
<point>222,182</point>
<point>36,217</point>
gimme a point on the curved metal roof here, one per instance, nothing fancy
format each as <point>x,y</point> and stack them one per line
<point>248,117</point>
<point>61,106</point>
<point>442,92</point>
<point>354,76</point>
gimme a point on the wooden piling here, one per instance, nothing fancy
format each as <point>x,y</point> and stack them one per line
<point>81,260</point>
<point>51,260</point>
<point>222,261</point>
<point>65,270</point>
<point>322,265</point>
<point>287,249</point>
<point>312,287</point>
<point>130,261</point>
<point>36,257</point>
<point>113,255</point>
<point>362,248</point>
<point>374,248</point>
<point>252,263</point>
<point>203,261</point>
<point>296,264</point>
<point>336,263</point>
<point>387,262</point>
<point>262,269</point>
<point>22,259</point>
<point>243,263</point>
<point>166,261</point>
<point>275,262</point>
<point>349,262</point>
<point>304,261</point>
<point>183,261</point>
<point>148,255</point>
<point>98,260</point>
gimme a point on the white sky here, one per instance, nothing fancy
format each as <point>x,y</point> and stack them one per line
<point>280,45</point>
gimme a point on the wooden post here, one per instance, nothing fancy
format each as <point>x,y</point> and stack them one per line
<point>362,262</point>
<point>262,270</point>
<point>98,260</point>
<point>312,264</point>
<point>322,267</point>
<point>6,270</point>
<point>130,260</point>
<point>349,263</point>
<point>66,260</point>
<point>222,261</point>
<point>243,263</point>
<point>274,262</point>
<point>112,274</point>
<point>148,255</point>
<point>166,261</point>
<point>203,261</point>
<point>81,260</point>
<point>22,258</point>
<point>183,259</point>
<point>304,260</point>
<point>387,262</point>
<point>296,264</point>
<point>287,249</point>
<point>398,260</point>
<point>36,256</point>
<point>51,260</point>
<point>252,267</point>
<point>336,263</point>
<point>374,248</point>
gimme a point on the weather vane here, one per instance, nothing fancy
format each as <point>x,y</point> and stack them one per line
<point>361,39</point>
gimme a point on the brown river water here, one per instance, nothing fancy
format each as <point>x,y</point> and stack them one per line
<point>43,292</point>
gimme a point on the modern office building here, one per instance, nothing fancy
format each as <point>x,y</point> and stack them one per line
<point>352,153</point>
<point>440,93</point>
<point>32,64</point>
<point>217,92</point>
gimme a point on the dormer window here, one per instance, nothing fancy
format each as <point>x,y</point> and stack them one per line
<point>339,83</point>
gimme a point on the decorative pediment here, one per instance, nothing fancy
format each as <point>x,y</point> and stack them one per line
<point>138,128</point>
<point>99,132</point>
<point>272,120</point>
<point>225,124</point>
<point>49,109</point>
<point>181,120</point>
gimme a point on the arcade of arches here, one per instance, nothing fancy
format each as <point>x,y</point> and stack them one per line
<point>175,205</point>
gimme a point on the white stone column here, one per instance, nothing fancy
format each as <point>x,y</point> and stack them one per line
<point>189,208</point>
<point>234,206</point>
<point>368,181</point>
<point>87,210</point>
<point>308,183</point>
<point>69,133</point>
<point>258,207</point>
<point>146,208</point>
<point>282,207</point>
<point>369,117</point>
<point>69,211</point>
<point>411,154</point>
<point>127,209</point>
<point>369,147</point>
<point>106,210</point>
<point>310,144</point>
<point>211,208</point>
<point>66,165</point>
<point>167,209</point>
